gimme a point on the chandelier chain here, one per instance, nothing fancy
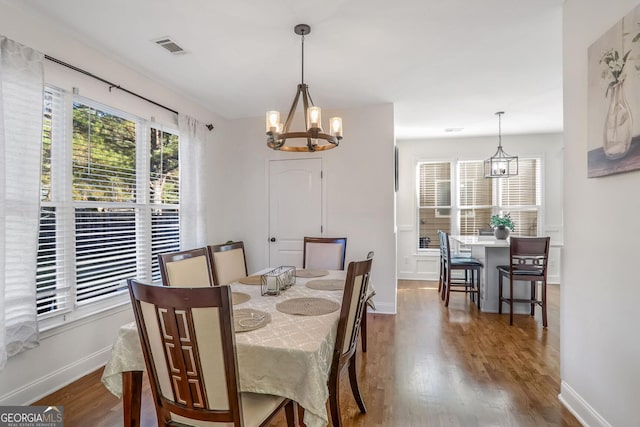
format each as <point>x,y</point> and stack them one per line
<point>302,44</point>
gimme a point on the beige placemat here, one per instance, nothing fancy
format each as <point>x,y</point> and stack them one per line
<point>307,306</point>
<point>239,297</point>
<point>326,284</point>
<point>311,273</point>
<point>250,280</point>
<point>249,319</point>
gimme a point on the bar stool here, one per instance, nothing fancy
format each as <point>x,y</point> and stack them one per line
<point>471,266</point>
<point>529,258</point>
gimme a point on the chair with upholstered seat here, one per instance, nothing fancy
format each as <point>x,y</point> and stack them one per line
<point>528,260</point>
<point>324,253</point>
<point>344,353</point>
<point>229,262</point>
<point>188,268</point>
<point>458,257</point>
<point>471,267</point>
<point>188,341</point>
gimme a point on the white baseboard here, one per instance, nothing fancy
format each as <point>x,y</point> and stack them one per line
<point>417,276</point>
<point>35,390</point>
<point>587,416</point>
<point>384,308</point>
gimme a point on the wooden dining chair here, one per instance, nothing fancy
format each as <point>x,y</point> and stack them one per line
<point>369,303</point>
<point>324,253</point>
<point>454,256</point>
<point>528,260</point>
<point>188,342</point>
<point>344,353</point>
<point>188,268</point>
<point>229,262</point>
<point>471,267</point>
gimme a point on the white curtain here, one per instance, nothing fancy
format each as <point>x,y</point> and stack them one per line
<point>193,221</point>
<point>21,98</point>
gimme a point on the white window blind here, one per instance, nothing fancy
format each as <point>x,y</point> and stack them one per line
<point>434,202</point>
<point>164,185</point>
<point>476,197</point>
<point>104,190</point>
<point>520,195</point>
<point>110,204</point>
<point>53,291</point>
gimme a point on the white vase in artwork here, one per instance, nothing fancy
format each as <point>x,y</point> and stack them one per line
<point>618,123</point>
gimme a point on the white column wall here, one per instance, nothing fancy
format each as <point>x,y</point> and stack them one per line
<point>600,341</point>
<point>549,147</point>
<point>359,180</point>
<point>77,348</point>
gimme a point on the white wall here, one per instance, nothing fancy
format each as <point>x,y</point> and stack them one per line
<point>549,147</point>
<point>600,340</point>
<point>359,188</point>
<point>77,348</point>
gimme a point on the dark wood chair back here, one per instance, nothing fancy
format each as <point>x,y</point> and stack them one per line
<point>324,253</point>
<point>353,305</point>
<point>229,262</point>
<point>529,257</point>
<point>188,342</point>
<point>189,268</point>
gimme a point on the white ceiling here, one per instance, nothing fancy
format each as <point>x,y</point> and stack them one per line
<point>442,63</point>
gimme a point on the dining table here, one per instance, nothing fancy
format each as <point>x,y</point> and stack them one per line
<point>290,356</point>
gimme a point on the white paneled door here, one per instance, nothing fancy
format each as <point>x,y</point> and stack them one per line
<point>295,208</point>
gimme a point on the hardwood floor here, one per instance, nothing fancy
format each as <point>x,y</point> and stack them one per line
<point>426,366</point>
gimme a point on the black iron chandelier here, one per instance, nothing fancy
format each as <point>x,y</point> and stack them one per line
<point>500,165</point>
<point>316,138</point>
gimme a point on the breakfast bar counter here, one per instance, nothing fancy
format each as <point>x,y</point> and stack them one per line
<point>491,252</point>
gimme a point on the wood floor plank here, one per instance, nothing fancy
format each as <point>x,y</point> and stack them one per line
<point>426,366</point>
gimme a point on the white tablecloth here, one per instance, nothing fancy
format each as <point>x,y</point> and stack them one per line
<point>290,357</point>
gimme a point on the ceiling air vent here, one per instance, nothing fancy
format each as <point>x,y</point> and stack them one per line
<point>169,44</point>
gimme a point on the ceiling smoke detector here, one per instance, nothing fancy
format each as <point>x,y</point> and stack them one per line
<point>170,44</point>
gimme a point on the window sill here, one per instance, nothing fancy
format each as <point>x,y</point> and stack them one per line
<point>71,320</point>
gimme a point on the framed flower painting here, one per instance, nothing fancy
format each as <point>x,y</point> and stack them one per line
<point>613,99</point>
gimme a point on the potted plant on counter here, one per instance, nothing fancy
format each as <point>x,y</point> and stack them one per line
<point>502,225</point>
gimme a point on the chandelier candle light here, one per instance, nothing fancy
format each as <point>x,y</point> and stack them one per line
<point>500,165</point>
<point>316,139</point>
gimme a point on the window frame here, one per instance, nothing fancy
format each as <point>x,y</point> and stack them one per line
<point>456,194</point>
<point>61,183</point>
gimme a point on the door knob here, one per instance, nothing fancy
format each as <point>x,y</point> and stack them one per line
<point>273,239</point>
